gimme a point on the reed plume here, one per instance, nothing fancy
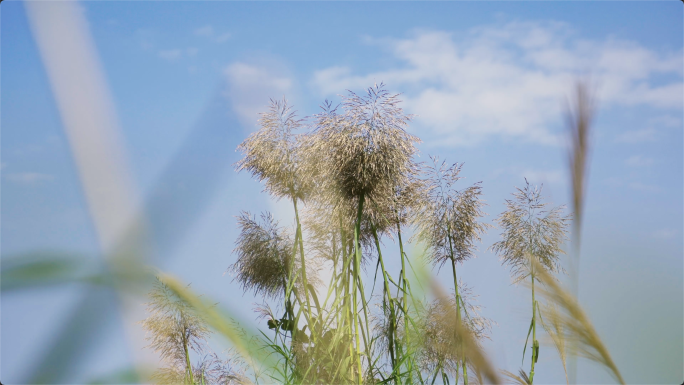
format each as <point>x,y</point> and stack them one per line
<point>447,221</point>
<point>440,352</point>
<point>531,233</point>
<point>579,113</point>
<point>265,256</point>
<point>272,154</point>
<point>174,330</point>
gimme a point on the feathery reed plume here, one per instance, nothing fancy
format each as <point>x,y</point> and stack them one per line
<point>366,150</point>
<point>265,256</point>
<point>458,334</point>
<point>573,322</point>
<point>439,352</point>
<point>215,370</point>
<point>528,228</point>
<point>447,221</point>
<point>175,328</point>
<point>272,153</point>
<point>358,156</point>
<point>446,218</point>
<point>531,230</point>
<point>579,114</point>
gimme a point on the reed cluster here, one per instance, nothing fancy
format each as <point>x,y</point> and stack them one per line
<point>352,176</point>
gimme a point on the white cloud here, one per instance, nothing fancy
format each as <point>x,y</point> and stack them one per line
<point>638,161</point>
<point>665,233</point>
<point>668,121</point>
<point>509,81</point>
<point>209,32</point>
<point>650,133</point>
<point>644,187</point>
<point>613,181</point>
<point>535,176</point>
<point>29,177</point>
<point>223,37</point>
<point>251,86</point>
<point>637,136</point>
<point>206,30</point>
<point>177,53</point>
<point>171,54</point>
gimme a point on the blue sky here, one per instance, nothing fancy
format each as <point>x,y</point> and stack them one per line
<point>487,82</point>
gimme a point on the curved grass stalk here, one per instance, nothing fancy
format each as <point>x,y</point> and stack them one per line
<point>574,323</point>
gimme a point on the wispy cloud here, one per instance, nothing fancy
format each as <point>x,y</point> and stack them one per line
<point>177,53</point>
<point>637,136</point>
<point>509,81</point>
<point>251,86</point>
<point>170,54</point>
<point>29,177</point>
<point>209,32</point>
<point>638,161</point>
<point>651,133</point>
<point>544,176</point>
<point>223,37</point>
<point>206,30</point>
<point>536,176</point>
<point>638,186</point>
<point>665,233</point>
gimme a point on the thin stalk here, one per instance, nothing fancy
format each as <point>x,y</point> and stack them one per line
<point>409,362</point>
<point>390,302</point>
<point>364,304</point>
<point>458,303</point>
<point>357,264</point>
<point>187,359</point>
<point>535,344</point>
<point>301,253</point>
<point>347,314</point>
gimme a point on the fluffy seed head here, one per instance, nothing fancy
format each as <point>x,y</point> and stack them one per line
<point>265,255</point>
<point>365,150</point>
<point>447,219</point>
<point>272,154</point>
<point>530,229</point>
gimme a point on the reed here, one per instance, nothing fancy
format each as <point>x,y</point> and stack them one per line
<point>531,233</point>
<point>352,177</point>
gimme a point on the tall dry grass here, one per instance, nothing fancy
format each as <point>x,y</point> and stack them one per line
<point>353,180</point>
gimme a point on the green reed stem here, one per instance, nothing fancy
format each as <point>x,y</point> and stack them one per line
<point>535,344</point>
<point>188,372</point>
<point>458,303</point>
<point>357,265</point>
<point>390,302</point>
<point>303,261</point>
<point>405,303</point>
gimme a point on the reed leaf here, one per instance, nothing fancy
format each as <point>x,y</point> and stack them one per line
<point>573,323</point>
